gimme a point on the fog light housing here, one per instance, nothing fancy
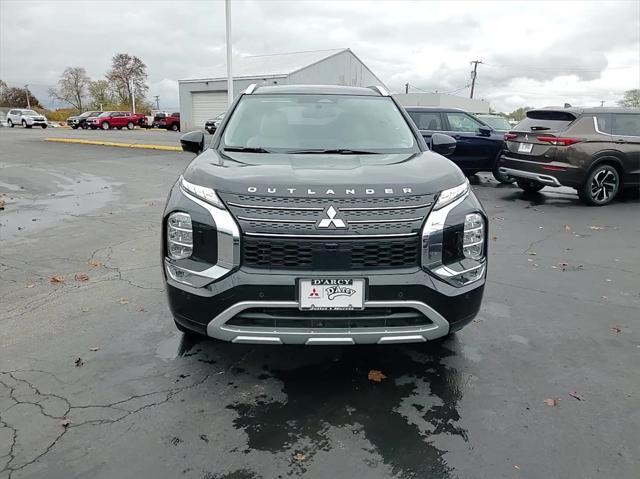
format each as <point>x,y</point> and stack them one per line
<point>473,239</point>
<point>179,236</point>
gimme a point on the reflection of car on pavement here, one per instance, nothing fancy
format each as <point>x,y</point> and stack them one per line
<point>478,145</point>
<point>312,219</point>
<point>594,150</point>
<point>117,119</point>
<point>26,118</point>
<point>80,121</point>
<point>497,122</point>
<point>212,125</point>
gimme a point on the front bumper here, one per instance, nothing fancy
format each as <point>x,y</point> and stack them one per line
<point>224,293</point>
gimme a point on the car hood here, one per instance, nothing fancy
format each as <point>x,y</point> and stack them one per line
<point>320,175</point>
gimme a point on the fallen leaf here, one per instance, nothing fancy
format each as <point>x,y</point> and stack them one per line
<point>375,375</point>
<point>65,423</point>
<point>142,310</point>
<point>56,279</point>
<point>596,227</point>
<point>31,285</point>
<point>552,401</point>
<point>615,329</point>
<point>79,362</point>
<point>299,456</point>
<point>204,438</point>
<point>567,227</point>
<point>494,238</point>
<point>1,204</point>
<point>608,280</point>
<point>532,253</point>
<point>95,263</point>
<point>575,395</point>
<point>124,301</point>
<point>81,277</point>
<point>93,349</point>
<point>517,467</point>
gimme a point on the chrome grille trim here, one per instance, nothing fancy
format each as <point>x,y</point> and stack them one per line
<point>334,237</point>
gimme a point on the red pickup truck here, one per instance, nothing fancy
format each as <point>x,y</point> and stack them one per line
<point>170,122</point>
<point>117,119</point>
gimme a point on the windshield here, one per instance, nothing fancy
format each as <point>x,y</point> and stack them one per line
<point>105,113</point>
<point>85,114</point>
<point>299,122</point>
<point>29,112</point>
<point>496,122</point>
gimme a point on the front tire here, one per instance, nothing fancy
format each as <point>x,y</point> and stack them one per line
<point>74,127</point>
<point>24,124</point>
<point>10,123</point>
<point>44,127</point>
<point>105,125</point>
<point>530,186</point>
<point>130,125</point>
<point>174,127</point>
<point>601,186</point>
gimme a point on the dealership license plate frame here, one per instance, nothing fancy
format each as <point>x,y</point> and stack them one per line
<point>327,299</point>
<point>525,147</point>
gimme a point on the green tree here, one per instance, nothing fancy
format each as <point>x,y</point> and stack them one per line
<point>128,74</point>
<point>101,95</point>
<point>631,98</point>
<point>72,87</point>
<point>519,114</point>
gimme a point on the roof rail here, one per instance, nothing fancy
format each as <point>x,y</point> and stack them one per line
<point>250,89</point>
<point>380,89</point>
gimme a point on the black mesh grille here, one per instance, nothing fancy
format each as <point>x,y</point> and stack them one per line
<point>304,254</point>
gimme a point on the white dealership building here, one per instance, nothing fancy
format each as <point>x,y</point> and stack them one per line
<point>204,98</point>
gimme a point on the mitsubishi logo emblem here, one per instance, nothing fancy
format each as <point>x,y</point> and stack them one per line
<point>331,219</point>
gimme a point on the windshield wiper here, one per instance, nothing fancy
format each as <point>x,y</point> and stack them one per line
<point>247,149</point>
<point>334,151</point>
<point>539,128</point>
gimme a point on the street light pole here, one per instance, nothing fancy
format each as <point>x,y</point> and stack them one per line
<point>133,96</point>
<point>227,14</point>
<point>26,90</point>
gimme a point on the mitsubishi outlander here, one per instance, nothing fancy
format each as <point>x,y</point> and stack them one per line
<point>319,215</point>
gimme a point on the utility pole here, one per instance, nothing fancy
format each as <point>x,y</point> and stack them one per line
<point>601,103</point>
<point>474,74</point>
<point>406,88</point>
<point>26,90</point>
<point>227,14</point>
<point>133,96</point>
<point>157,102</point>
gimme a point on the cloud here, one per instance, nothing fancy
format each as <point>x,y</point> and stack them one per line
<point>534,53</point>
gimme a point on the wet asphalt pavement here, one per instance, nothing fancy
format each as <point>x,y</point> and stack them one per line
<point>96,382</point>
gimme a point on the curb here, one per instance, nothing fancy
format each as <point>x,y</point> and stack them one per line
<point>115,143</point>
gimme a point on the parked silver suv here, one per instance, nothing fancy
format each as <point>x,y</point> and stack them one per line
<point>26,118</point>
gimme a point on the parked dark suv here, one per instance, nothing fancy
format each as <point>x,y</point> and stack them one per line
<point>319,215</point>
<point>594,150</point>
<point>478,145</point>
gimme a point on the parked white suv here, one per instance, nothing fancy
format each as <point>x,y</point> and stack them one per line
<point>26,118</point>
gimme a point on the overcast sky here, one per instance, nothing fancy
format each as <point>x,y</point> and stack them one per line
<point>535,53</point>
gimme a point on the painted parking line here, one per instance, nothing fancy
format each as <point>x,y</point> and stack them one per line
<point>115,143</point>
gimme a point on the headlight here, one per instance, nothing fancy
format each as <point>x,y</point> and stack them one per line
<point>206,194</point>
<point>179,236</point>
<point>452,194</point>
<point>473,237</point>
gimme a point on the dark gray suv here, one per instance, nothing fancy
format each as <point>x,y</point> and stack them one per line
<point>594,150</point>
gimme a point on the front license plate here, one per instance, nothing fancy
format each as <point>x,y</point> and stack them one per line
<point>525,147</point>
<point>331,294</point>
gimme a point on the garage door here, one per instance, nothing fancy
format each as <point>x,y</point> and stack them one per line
<point>207,105</point>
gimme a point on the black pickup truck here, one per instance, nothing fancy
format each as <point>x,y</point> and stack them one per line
<point>319,215</point>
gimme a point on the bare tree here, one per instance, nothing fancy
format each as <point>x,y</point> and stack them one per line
<point>631,98</point>
<point>72,87</point>
<point>17,97</point>
<point>128,72</point>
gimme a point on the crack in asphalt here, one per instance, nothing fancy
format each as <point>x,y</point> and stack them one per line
<point>168,393</point>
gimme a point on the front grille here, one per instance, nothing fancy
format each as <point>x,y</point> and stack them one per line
<point>370,216</point>
<point>277,318</point>
<point>321,254</point>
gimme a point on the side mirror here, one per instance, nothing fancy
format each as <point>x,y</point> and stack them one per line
<point>442,144</point>
<point>484,131</point>
<point>192,142</point>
